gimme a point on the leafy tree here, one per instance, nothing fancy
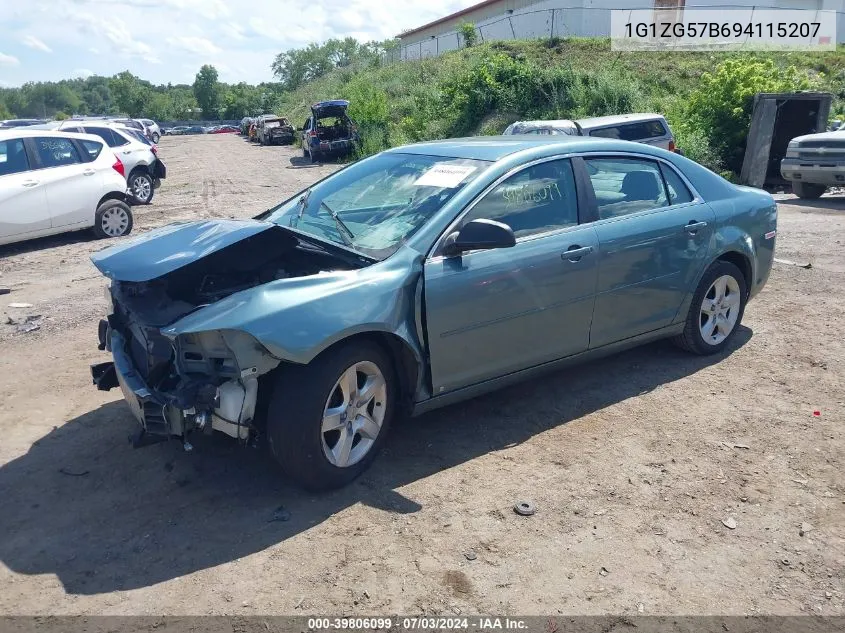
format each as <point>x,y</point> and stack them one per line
<point>130,93</point>
<point>468,32</point>
<point>208,92</point>
<point>5,113</point>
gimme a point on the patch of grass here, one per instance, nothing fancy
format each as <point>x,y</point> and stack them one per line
<point>482,88</point>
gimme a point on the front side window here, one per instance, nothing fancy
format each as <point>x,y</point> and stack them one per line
<point>538,199</point>
<point>626,185</point>
<point>56,152</point>
<point>13,158</point>
<point>375,205</point>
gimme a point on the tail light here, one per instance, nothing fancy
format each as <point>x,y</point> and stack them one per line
<point>118,167</point>
<point>154,150</point>
<point>671,146</point>
<point>312,133</point>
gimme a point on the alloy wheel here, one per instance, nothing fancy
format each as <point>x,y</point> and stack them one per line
<point>354,414</point>
<point>719,310</point>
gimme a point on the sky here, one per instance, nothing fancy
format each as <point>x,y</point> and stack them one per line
<point>168,40</point>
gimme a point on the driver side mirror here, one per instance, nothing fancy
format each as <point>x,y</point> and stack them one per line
<point>479,235</point>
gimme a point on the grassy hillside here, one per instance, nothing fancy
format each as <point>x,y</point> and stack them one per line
<point>480,90</point>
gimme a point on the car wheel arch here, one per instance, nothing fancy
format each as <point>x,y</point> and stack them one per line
<point>407,362</point>
<point>741,261</point>
<point>112,195</point>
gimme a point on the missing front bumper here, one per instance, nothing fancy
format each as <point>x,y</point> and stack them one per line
<point>230,407</point>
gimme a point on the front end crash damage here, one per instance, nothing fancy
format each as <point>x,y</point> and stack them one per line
<point>175,381</point>
<point>202,313</point>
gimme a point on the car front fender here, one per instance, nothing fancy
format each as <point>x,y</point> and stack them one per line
<point>296,319</point>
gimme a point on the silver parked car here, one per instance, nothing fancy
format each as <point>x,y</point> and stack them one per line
<point>814,162</point>
<point>651,129</point>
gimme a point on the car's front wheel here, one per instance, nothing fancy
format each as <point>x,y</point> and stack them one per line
<point>113,219</point>
<point>328,420</point>
<point>716,310</point>
<point>808,190</point>
<point>141,186</point>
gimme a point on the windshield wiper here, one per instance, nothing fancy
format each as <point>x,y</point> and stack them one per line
<point>303,204</point>
<point>344,231</point>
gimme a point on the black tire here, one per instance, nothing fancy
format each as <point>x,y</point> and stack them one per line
<point>808,190</point>
<point>691,339</point>
<point>149,185</point>
<point>105,208</point>
<point>156,137</point>
<point>295,414</point>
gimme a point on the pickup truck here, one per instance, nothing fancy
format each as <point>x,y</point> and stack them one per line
<point>814,162</point>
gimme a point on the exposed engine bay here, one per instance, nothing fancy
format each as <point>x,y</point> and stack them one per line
<point>206,380</point>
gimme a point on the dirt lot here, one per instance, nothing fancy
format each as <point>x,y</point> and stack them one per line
<point>633,462</point>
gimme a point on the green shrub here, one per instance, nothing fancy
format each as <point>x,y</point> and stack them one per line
<point>721,106</point>
<point>467,31</point>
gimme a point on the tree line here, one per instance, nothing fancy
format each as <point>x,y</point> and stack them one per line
<point>206,99</point>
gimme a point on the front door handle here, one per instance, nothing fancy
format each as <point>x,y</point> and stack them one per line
<point>575,253</point>
<point>693,227</point>
<point>29,183</point>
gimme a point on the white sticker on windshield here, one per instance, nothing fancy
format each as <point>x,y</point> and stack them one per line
<point>446,176</point>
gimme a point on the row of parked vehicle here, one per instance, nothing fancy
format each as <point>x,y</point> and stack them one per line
<point>185,130</point>
<point>147,127</point>
<point>328,133</point>
<point>58,176</point>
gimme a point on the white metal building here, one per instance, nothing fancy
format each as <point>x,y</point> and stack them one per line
<point>510,19</point>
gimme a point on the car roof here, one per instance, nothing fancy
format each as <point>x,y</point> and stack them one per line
<point>493,148</point>
<point>28,132</point>
<point>336,102</point>
<point>566,123</point>
<point>615,119</point>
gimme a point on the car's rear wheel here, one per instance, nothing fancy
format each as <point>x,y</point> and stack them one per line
<point>113,219</point>
<point>141,186</point>
<point>156,137</point>
<point>808,190</point>
<point>716,310</point>
<point>328,420</point>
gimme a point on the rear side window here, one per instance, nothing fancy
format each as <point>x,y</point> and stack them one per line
<point>626,185</point>
<point>93,148</point>
<point>13,158</point>
<point>639,131</point>
<point>679,193</point>
<point>56,152</point>
<point>104,133</point>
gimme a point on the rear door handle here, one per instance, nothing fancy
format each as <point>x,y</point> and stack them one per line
<point>575,253</point>
<point>89,172</point>
<point>693,227</point>
<point>30,183</point>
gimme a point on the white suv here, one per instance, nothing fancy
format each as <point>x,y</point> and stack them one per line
<point>144,169</point>
<point>53,182</point>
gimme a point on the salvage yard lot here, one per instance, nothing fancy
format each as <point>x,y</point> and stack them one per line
<point>635,463</point>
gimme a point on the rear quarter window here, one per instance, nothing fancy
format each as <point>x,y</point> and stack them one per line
<point>92,148</point>
<point>638,131</point>
<point>56,152</point>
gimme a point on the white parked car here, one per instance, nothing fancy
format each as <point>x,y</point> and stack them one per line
<point>154,129</point>
<point>53,182</point>
<point>144,169</point>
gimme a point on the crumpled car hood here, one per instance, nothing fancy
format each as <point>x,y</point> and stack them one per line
<point>173,246</point>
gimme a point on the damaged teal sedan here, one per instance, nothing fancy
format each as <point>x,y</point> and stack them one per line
<point>419,277</point>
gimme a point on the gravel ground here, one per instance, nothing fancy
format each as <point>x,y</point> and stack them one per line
<point>636,463</point>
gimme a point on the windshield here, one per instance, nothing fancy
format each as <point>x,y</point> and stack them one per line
<point>375,205</point>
